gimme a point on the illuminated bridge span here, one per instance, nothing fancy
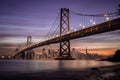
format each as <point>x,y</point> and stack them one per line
<point>66,35</point>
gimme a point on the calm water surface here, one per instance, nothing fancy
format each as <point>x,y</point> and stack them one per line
<point>30,66</point>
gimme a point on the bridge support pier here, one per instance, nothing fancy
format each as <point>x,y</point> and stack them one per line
<point>23,55</point>
<point>65,51</point>
<point>29,55</point>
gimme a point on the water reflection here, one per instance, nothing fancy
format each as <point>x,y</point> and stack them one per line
<point>82,64</point>
<point>27,66</point>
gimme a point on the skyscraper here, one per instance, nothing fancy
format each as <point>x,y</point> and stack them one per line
<point>86,50</point>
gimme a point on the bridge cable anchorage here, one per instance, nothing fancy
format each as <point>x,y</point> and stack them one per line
<point>95,15</point>
<point>51,27</point>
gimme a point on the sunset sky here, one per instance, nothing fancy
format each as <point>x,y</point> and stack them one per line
<point>21,18</point>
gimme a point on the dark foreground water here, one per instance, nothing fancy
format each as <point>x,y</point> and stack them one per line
<point>47,69</point>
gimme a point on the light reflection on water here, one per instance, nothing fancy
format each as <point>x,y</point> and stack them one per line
<point>27,66</point>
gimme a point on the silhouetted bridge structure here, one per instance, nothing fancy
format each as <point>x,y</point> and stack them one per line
<point>64,39</point>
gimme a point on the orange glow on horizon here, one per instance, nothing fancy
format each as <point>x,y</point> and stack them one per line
<point>100,52</point>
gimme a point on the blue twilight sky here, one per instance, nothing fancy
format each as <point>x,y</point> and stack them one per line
<point>20,18</point>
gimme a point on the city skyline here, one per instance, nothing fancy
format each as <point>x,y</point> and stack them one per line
<point>19,19</point>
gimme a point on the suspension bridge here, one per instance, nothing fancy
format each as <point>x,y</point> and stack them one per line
<point>109,22</point>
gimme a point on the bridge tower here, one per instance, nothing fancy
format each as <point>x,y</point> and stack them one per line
<point>29,53</point>
<point>64,29</point>
<point>29,40</point>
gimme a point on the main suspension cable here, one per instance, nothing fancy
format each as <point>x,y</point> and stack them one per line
<point>95,15</point>
<point>52,26</point>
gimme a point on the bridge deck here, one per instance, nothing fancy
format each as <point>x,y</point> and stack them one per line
<point>100,28</point>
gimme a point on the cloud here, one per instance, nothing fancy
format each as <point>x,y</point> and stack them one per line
<point>7,45</point>
<point>23,21</point>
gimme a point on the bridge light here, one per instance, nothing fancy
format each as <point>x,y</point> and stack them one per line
<point>105,15</point>
<point>75,29</point>
<point>9,57</point>
<point>83,26</point>
<point>107,18</point>
<point>56,35</point>
<point>68,32</point>
<point>80,25</point>
<point>91,20</point>
<point>72,28</point>
<point>93,23</point>
<point>2,57</point>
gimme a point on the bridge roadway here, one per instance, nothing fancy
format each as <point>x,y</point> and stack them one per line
<point>96,29</point>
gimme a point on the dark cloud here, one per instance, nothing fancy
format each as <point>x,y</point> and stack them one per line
<point>11,35</point>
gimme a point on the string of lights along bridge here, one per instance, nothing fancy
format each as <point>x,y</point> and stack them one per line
<point>69,28</point>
